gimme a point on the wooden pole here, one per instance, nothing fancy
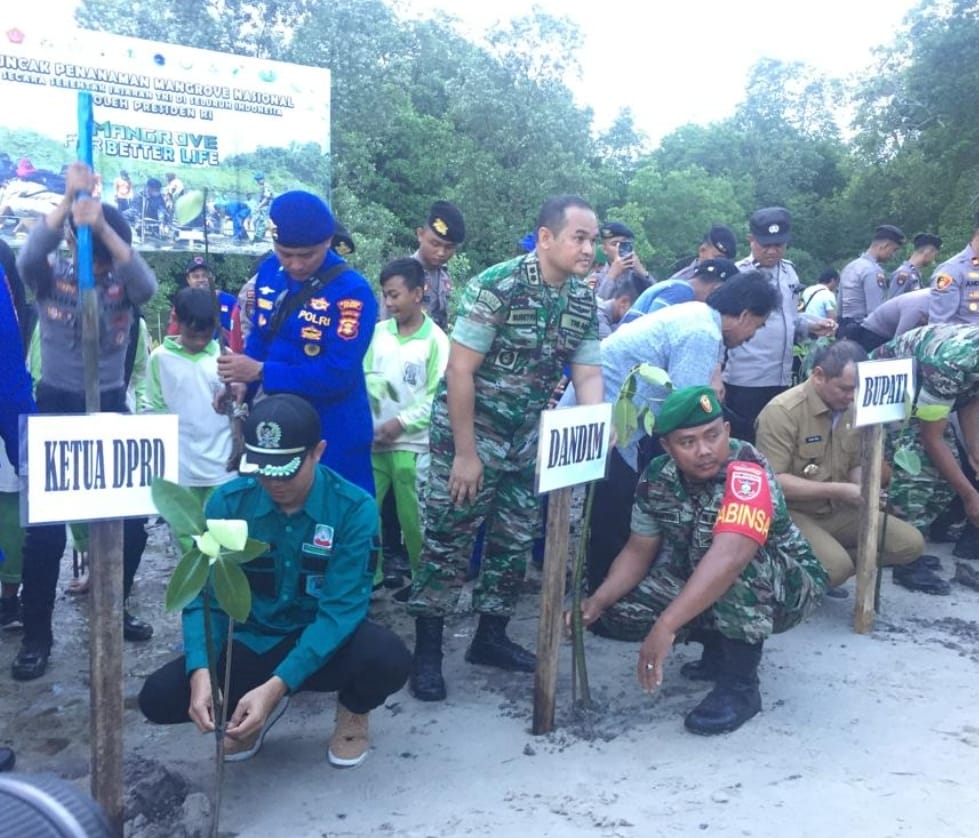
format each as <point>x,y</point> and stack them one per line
<point>549,627</point>
<point>105,662</point>
<point>105,552</point>
<point>872,458</point>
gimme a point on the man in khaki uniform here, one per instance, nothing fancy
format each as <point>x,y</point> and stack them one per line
<point>808,436</point>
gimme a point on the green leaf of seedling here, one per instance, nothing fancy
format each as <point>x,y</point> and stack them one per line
<point>628,390</point>
<point>187,580</point>
<point>207,544</point>
<point>252,550</point>
<point>178,506</point>
<point>908,460</point>
<point>231,589</point>
<point>655,376</point>
<point>624,420</point>
<point>648,421</point>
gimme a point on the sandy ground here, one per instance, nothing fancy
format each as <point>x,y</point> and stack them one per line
<point>860,735</point>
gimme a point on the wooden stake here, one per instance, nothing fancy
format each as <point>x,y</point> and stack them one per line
<point>872,458</point>
<point>105,661</point>
<point>549,628</point>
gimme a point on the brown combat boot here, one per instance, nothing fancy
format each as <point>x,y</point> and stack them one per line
<point>349,743</point>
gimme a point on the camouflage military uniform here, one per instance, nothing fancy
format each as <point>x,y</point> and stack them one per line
<point>527,331</point>
<point>779,588</point>
<point>947,376</point>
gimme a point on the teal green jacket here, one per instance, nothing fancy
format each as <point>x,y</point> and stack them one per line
<point>314,579</point>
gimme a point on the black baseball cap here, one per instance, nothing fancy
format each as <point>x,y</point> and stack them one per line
<point>278,432</point>
<point>197,263</point>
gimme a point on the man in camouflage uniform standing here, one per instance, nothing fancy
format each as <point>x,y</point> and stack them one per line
<point>518,324</point>
<point>737,570</point>
<point>947,379</point>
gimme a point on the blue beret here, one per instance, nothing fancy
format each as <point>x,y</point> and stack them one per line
<point>688,407</point>
<point>300,219</point>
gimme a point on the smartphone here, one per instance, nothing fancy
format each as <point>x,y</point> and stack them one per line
<point>626,249</point>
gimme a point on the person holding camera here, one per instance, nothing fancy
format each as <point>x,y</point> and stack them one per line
<point>619,247</point>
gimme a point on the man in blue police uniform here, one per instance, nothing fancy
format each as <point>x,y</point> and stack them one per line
<point>312,325</point>
<point>955,286</point>
<point>308,626</point>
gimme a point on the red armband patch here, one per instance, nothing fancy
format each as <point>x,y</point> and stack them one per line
<point>747,505</point>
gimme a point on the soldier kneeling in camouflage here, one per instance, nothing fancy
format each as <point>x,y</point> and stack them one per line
<point>737,568</point>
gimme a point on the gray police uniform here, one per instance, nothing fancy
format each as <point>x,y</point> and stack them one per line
<point>766,360</point>
<point>905,279</point>
<point>955,290</point>
<point>900,315</point>
<point>862,286</point>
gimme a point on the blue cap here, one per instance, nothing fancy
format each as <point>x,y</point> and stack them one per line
<point>300,219</point>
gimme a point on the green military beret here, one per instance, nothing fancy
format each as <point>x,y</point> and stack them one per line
<point>688,408</point>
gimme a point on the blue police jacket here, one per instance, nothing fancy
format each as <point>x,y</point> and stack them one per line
<point>318,353</point>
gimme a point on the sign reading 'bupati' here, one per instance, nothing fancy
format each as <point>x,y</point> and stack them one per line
<point>885,390</point>
<point>95,467</point>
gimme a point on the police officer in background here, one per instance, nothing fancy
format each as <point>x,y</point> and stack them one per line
<point>908,277</point>
<point>718,243</point>
<point>760,369</point>
<point>863,282</point>
<point>314,319</point>
<point>955,287</point>
<point>619,247</point>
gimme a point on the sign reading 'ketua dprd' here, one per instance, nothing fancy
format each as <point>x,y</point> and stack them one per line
<point>885,391</point>
<point>95,467</point>
<point>573,446</point>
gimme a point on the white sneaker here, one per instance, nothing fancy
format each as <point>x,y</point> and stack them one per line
<point>248,750</point>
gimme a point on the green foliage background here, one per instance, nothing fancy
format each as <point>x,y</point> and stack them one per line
<point>421,113</point>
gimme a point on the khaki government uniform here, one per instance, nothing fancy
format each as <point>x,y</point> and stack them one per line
<point>796,434</point>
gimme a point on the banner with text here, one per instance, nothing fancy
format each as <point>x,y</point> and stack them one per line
<point>885,390</point>
<point>95,467</point>
<point>185,139</point>
<point>573,446</point>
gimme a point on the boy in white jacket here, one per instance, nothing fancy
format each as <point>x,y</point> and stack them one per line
<point>182,378</point>
<point>406,360</point>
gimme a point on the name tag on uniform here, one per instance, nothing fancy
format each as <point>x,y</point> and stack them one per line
<point>816,438</point>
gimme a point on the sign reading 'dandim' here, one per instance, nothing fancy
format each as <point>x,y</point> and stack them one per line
<point>885,390</point>
<point>573,446</point>
<point>96,466</point>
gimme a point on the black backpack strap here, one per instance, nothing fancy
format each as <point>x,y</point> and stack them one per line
<point>286,306</point>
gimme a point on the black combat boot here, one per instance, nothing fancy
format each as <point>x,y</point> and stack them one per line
<point>735,697</point>
<point>709,665</point>
<point>967,546</point>
<point>426,682</point>
<point>491,647</point>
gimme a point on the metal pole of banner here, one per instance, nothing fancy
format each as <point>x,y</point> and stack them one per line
<point>105,550</point>
<point>551,608</point>
<point>872,459</point>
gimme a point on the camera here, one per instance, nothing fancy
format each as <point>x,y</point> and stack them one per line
<point>626,249</point>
